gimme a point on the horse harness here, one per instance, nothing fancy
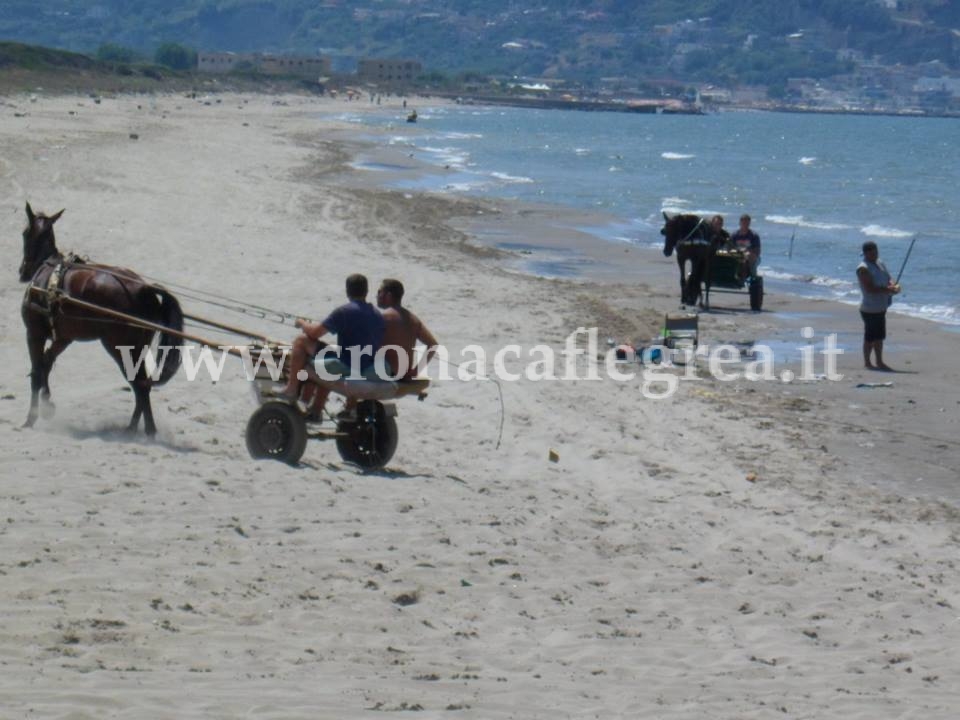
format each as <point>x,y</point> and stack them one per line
<point>701,239</point>
<point>45,298</point>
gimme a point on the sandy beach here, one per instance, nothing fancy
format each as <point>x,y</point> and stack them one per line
<point>740,549</point>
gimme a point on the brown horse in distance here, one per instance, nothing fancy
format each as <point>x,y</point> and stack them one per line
<point>51,317</point>
<point>696,242</point>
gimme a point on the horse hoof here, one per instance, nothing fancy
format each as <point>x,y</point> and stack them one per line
<point>48,410</point>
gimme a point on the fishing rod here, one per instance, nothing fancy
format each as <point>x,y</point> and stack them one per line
<point>909,250</point>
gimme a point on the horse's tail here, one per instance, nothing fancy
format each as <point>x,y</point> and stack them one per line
<point>171,316</point>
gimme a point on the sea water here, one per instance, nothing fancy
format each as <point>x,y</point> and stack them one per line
<point>816,186</point>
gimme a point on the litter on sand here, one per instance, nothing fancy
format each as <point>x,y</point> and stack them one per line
<point>874,385</point>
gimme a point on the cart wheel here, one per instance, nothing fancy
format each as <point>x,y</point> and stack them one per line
<point>756,294</point>
<point>371,439</point>
<point>276,430</point>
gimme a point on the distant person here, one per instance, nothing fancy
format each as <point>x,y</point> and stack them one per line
<point>358,326</point>
<point>747,240</point>
<point>877,289</point>
<point>721,238</point>
<point>401,331</point>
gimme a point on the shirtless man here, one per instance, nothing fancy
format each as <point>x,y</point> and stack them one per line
<point>401,331</point>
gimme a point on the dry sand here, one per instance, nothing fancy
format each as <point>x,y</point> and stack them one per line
<point>740,550</point>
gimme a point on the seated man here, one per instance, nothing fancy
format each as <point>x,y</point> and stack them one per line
<point>747,240</point>
<point>721,238</point>
<point>358,326</point>
<point>402,330</point>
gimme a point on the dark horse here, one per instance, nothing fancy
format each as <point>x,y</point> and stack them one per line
<point>694,239</point>
<point>50,315</point>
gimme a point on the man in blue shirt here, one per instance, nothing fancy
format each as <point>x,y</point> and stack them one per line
<point>358,326</point>
<point>747,240</point>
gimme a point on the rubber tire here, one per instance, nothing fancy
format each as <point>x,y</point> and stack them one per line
<point>277,431</point>
<point>756,294</point>
<point>371,440</point>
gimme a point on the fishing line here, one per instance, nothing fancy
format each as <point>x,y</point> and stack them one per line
<point>499,393</point>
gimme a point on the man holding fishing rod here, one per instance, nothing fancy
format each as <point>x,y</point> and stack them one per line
<point>877,289</point>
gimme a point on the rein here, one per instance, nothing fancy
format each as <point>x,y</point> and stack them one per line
<point>699,241</point>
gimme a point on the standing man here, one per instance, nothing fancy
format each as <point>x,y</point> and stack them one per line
<point>877,289</point>
<point>358,326</point>
<point>402,329</point>
<point>746,239</point>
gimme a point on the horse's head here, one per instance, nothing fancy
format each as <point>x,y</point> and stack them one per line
<point>679,228</point>
<point>671,233</point>
<point>38,242</point>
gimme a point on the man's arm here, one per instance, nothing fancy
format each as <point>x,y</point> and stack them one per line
<point>426,337</point>
<point>867,283</point>
<point>314,331</point>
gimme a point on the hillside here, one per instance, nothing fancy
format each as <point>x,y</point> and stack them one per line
<point>723,41</point>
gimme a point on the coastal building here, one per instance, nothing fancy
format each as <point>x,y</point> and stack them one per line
<point>306,66</point>
<point>388,71</point>
<point>220,62</point>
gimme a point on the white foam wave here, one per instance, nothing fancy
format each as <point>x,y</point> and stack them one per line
<point>451,156</point>
<point>798,221</point>
<point>453,135</point>
<point>511,178</point>
<point>674,201</point>
<point>676,156</point>
<point>945,314</point>
<point>819,280</point>
<point>582,151</point>
<point>881,231</point>
<point>807,160</point>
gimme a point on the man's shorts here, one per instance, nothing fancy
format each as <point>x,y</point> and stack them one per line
<point>334,366</point>
<point>874,326</point>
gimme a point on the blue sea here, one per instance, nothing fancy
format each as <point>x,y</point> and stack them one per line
<point>817,186</point>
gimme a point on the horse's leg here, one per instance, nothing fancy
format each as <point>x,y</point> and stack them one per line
<point>49,357</point>
<point>682,262</point>
<point>142,390</point>
<point>140,386</point>
<point>35,348</point>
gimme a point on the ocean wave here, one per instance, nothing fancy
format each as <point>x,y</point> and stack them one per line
<point>807,160</point>
<point>581,151</point>
<point>463,186</point>
<point>946,314</point>
<point>448,155</point>
<point>674,201</point>
<point>798,221</point>
<point>809,279</point>
<point>504,177</point>
<point>453,135</point>
<point>885,232</point>
<point>676,156</point>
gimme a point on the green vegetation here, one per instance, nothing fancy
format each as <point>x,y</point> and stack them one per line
<point>756,41</point>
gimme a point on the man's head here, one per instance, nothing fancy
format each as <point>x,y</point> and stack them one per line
<point>717,222</point>
<point>357,286</point>
<point>390,293</point>
<point>869,249</point>
<point>745,221</point>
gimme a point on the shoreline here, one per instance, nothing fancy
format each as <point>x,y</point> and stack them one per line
<point>740,549</point>
<point>528,237</point>
<point>566,259</point>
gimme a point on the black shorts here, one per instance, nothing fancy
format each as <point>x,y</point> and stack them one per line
<point>874,326</point>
